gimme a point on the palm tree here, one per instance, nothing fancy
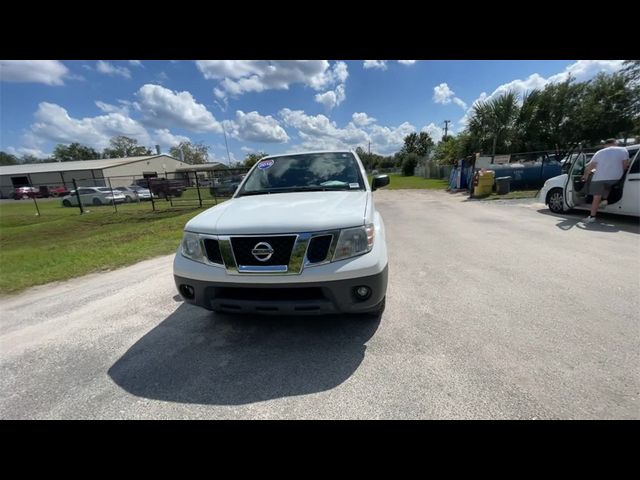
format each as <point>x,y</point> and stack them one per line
<point>496,119</point>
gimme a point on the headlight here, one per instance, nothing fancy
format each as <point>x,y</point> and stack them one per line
<point>354,241</point>
<point>191,247</point>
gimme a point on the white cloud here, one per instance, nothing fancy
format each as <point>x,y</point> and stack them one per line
<point>110,69</point>
<point>586,69</point>
<point>110,108</point>
<point>444,95</point>
<point>361,119</point>
<point>36,152</point>
<point>435,132</point>
<point>319,133</point>
<point>381,64</point>
<point>241,76</point>
<point>135,63</point>
<point>49,72</point>
<point>388,140</point>
<point>54,124</point>
<point>406,62</point>
<point>165,138</point>
<point>253,127</point>
<point>332,98</point>
<point>580,71</point>
<point>163,108</point>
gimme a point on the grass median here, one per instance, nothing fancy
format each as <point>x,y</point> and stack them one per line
<point>61,244</point>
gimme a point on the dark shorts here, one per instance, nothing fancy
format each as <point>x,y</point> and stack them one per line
<point>601,187</point>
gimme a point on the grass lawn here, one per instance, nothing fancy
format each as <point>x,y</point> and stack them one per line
<point>61,244</point>
<point>398,182</point>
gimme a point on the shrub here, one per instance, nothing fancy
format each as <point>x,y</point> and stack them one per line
<point>409,164</point>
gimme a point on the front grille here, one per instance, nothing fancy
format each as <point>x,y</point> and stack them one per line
<point>213,250</point>
<point>269,294</point>
<point>282,247</point>
<point>318,248</point>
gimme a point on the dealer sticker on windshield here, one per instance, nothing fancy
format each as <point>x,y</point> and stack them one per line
<point>354,185</point>
<point>265,164</point>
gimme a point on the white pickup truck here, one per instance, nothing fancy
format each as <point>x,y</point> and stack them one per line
<point>300,235</point>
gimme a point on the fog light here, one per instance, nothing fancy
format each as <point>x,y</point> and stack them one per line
<point>362,292</point>
<point>187,291</point>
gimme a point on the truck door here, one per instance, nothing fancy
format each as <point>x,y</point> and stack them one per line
<point>630,202</point>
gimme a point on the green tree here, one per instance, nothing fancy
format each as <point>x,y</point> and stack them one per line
<point>610,108</point>
<point>194,153</point>
<point>121,146</point>
<point>74,152</point>
<point>447,151</point>
<point>8,159</point>
<point>631,70</point>
<point>418,143</point>
<point>252,158</point>
<point>409,163</point>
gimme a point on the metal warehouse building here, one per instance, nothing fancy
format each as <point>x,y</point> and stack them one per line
<point>88,171</point>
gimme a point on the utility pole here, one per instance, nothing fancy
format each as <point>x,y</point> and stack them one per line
<point>446,128</point>
<point>225,143</point>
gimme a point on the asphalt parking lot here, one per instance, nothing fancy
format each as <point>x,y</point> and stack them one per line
<point>495,310</point>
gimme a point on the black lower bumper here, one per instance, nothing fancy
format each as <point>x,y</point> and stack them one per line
<point>315,298</point>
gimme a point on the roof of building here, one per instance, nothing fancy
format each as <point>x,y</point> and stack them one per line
<point>201,166</point>
<point>77,165</point>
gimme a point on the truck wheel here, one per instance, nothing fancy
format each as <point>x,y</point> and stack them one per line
<point>555,200</point>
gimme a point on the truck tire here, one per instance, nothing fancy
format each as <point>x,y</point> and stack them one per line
<point>555,200</point>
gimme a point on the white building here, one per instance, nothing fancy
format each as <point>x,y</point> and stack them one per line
<point>120,171</point>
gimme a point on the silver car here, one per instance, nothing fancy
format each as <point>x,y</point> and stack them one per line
<point>93,196</point>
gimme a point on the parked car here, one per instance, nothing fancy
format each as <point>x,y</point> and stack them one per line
<point>93,196</point>
<point>58,191</point>
<point>162,187</point>
<point>143,193</point>
<point>568,191</point>
<point>23,193</point>
<point>225,187</point>
<point>133,193</point>
<point>301,235</point>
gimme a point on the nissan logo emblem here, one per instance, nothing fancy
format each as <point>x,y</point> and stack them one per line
<point>262,251</point>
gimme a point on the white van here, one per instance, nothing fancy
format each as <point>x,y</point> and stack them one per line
<point>568,191</point>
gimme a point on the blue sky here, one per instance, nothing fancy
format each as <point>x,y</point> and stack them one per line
<point>271,106</point>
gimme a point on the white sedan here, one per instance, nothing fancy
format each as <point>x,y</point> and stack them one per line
<point>93,196</point>
<point>568,191</point>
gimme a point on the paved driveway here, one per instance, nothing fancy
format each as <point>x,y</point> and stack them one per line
<point>494,310</point>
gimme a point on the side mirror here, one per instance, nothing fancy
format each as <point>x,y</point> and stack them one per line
<point>380,181</point>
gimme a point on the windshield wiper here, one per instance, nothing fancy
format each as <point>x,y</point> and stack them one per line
<point>295,189</point>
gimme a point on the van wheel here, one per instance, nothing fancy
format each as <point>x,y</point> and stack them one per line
<point>555,200</point>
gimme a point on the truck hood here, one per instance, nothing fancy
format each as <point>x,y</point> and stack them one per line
<point>283,213</point>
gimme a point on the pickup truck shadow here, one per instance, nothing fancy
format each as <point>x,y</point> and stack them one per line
<point>606,222</point>
<point>195,356</point>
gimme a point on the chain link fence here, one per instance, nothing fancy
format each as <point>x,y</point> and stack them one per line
<point>181,189</point>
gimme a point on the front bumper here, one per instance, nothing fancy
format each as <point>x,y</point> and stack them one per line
<point>302,298</point>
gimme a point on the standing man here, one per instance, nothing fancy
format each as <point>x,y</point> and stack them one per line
<point>609,165</point>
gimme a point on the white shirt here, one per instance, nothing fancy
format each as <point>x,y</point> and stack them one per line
<point>609,162</point>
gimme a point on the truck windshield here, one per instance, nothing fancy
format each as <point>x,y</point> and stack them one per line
<point>304,172</point>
